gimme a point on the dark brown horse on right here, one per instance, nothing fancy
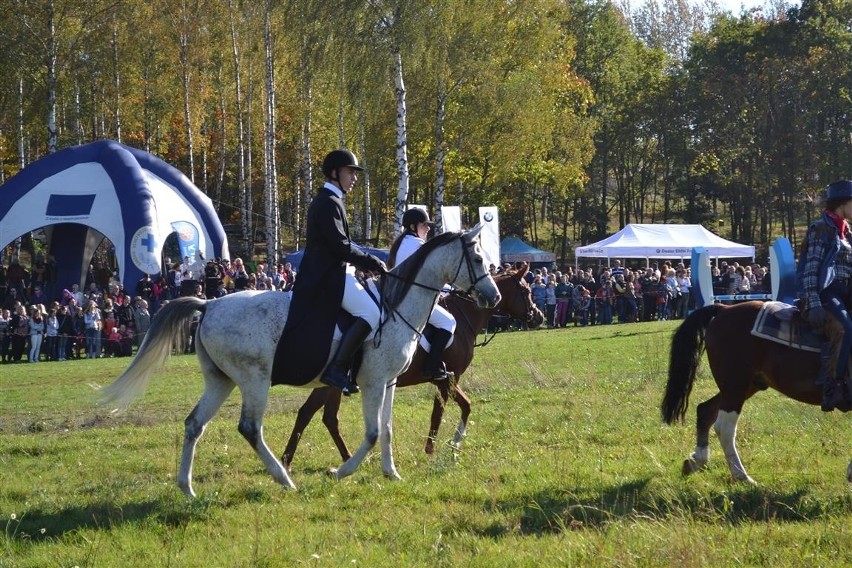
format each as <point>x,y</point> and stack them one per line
<point>742,365</point>
<point>516,301</point>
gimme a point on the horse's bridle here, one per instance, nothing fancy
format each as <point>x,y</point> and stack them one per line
<point>465,260</point>
<point>530,306</point>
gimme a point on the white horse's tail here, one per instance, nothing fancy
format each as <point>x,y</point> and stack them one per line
<point>169,328</point>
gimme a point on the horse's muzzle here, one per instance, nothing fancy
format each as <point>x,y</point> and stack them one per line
<point>535,318</point>
<point>485,301</point>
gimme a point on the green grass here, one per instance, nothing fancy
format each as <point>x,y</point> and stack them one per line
<point>566,463</point>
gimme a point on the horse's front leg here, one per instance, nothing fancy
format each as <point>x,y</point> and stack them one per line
<point>386,434</point>
<point>849,472</point>
<point>372,399</point>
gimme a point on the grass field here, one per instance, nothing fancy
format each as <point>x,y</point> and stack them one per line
<point>566,463</point>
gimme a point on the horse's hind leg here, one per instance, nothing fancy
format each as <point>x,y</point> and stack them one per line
<point>463,401</point>
<point>326,399</point>
<point>726,429</point>
<point>438,405</point>
<point>217,387</point>
<point>251,427</point>
<point>706,414</point>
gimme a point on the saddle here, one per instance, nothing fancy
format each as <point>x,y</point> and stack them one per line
<point>784,324</point>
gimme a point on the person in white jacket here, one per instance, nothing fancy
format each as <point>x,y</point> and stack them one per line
<point>416,227</point>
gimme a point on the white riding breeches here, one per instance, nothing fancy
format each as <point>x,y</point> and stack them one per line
<point>442,319</point>
<point>358,302</point>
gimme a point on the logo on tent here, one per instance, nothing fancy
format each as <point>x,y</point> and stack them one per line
<point>69,205</point>
<point>144,250</point>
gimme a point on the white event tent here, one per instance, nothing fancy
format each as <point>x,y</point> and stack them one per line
<point>663,241</point>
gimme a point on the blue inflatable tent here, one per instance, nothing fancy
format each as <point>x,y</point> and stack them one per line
<point>105,189</point>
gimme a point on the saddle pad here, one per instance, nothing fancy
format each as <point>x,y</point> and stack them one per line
<point>774,322</point>
<point>426,338</point>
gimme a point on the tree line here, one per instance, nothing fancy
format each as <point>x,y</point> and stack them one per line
<point>574,117</point>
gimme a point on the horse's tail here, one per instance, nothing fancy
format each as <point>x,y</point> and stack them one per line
<point>687,348</point>
<point>169,328</point>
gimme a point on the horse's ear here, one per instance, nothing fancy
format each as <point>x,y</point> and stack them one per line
<point>473,233</point>
<point>521,272</point>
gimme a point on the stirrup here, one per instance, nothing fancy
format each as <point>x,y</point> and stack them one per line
<point>440,374</point>
<point>341,380</point>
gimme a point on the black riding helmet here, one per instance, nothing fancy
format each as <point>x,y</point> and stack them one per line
<point>414,216</point>
<point>337,159</point>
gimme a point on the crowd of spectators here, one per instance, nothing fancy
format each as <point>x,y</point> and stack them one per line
<point>618,294</point>
<point>40,321</point>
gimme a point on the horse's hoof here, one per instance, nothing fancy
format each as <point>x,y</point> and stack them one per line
<point>332,473</point>
<point>187,490</point>
<point>393,475</point>
<point>849,473</point>
<point>430,448</point>
<point>690,466</point>
<point>746,479</point>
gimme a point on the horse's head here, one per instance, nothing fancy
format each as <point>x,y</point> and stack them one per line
<point>517,298</point>
<point>472,274</point>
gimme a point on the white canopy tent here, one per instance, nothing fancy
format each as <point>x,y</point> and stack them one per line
<point>663,241</point>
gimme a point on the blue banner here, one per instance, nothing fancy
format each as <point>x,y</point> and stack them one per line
<point>187,235</point>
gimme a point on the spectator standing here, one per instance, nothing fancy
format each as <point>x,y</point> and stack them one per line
<point>605,297</point>
<point>93,323</point>
<point>145,287</point>
<point>36,332</point>
<point>66,332</point>
<point>683,289</point>
<point>51,335</point>
<point>538,293</point>
<point>19,323</point>
<point>550,301</point>
<point>563,301</point>
<point>5,335</point>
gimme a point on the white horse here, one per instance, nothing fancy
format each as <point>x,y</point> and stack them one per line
<point>237,337</point>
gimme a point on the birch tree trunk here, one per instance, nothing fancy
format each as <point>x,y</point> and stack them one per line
<point>22,162</point>
<point>116,80</point>
<point>307,170</point>
<point>249,203</point>
<point>241,143</point>
<point>401,142</point>
<point>78,114</point>
<point>187,115</point>
<point>270,168</point>
<point>440,155</point>
<point>184,25</point>
<point>51,78</point>
<point>362,150</point>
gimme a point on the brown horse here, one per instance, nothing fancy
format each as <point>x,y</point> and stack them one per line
<point>742,365</point>
<point>516,301</point>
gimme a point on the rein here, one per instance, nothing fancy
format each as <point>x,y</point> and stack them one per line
<point>465,297</point>
<point>394,312</point>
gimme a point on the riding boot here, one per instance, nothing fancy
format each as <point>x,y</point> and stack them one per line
<point>337,374</point>
<point>828,395</point>
<point>834,396</point>
<point>434,368</point>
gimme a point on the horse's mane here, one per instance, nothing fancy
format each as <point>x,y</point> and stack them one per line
<point>397,283</point>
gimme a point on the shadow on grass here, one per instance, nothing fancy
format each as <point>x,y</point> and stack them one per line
<point>557,511</point>
<point>40,525</point>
